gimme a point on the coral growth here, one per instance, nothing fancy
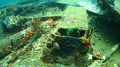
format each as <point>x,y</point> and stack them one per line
<point>12,21</point>
<point>67,49</point>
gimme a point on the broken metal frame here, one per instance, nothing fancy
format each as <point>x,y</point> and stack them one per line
<point>106,57</point>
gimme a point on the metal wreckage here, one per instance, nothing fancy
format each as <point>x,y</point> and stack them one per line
<point>57,33</point>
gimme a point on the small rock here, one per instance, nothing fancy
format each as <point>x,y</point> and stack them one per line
<point>93,43</point>
<point>99,36</point>
<point>107,41</point>
<point>38,48</point>
<point>95,35</point>
<point>110,60</point>
<point>96,30</point>
<point>32,59</point>
<point>18,60</point>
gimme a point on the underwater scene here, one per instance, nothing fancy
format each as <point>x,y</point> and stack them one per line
<point>60,33</point>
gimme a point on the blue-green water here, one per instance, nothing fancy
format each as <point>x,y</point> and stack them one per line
<point>6,2</point>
